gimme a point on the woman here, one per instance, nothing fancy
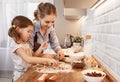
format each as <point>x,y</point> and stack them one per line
<point>44,31</point>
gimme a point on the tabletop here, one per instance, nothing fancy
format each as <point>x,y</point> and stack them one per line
<point>33,73</point>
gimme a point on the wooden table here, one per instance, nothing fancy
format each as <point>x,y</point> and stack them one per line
<point>32,76</point>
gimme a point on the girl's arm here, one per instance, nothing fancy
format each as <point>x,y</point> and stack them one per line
<point>34,60</point>
<point>43,46</point>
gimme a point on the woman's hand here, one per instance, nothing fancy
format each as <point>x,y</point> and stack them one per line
<point>60,54</point>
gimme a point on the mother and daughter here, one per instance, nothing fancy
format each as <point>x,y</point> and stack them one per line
<point>25,35</point>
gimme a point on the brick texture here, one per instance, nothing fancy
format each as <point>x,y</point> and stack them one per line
<point>103,23</point>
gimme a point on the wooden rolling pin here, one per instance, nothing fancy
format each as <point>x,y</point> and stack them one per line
<point>42,78</point>
<point>52,78</point>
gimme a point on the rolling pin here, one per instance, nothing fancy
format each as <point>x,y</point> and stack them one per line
<point>42,78</point>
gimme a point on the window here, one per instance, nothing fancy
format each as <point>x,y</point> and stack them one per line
<point>11,8</point>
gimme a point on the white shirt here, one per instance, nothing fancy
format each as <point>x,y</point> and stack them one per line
<point>20,66</point>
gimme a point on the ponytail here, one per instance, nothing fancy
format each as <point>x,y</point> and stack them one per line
<point>21,22</point>
<point>13,34</point>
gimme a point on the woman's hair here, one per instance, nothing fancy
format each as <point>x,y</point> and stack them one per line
<point>21,22</point>
<point>36,15</point>
<point>46,9</point>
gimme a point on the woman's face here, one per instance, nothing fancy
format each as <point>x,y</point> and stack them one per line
<point>47,21</point>
<point>25,33</point>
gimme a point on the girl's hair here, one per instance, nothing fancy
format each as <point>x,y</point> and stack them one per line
<point>46,9</point>
<point>21,22</point>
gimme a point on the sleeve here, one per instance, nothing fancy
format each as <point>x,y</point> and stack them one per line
<point>14,46</point>
<point>54,40</point>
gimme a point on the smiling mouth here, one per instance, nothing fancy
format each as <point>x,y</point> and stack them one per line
<point>46,27</point>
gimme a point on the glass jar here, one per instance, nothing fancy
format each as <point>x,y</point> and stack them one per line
<point>68,41</point>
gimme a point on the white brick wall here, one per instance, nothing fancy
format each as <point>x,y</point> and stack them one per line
<point>103,24</point>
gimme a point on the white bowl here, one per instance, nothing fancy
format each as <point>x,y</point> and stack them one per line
<point>77,56</point>
<point>92,78</point>
<point>67,51</point>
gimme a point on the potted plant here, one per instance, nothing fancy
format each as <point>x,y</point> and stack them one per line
<point>76,40</point>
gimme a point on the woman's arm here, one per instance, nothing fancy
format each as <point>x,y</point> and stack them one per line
<point>54,43</point>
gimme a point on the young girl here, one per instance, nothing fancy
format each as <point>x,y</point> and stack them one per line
<point>22,54</point>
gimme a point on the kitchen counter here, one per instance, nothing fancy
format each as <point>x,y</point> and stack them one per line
<point>32,76</point>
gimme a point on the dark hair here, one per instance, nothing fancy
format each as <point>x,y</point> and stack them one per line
<point>36,15</point>
<point>21,22</point>
<point>46,9</point>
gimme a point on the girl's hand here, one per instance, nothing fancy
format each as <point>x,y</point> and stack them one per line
<point>52,62</point>
<point>44,45</point>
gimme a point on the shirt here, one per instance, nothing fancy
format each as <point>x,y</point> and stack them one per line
<point>50,36</point>
<point>20,66</point>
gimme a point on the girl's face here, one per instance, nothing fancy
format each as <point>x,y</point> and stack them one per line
<point>25,33</point>
<point>47,21</point>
